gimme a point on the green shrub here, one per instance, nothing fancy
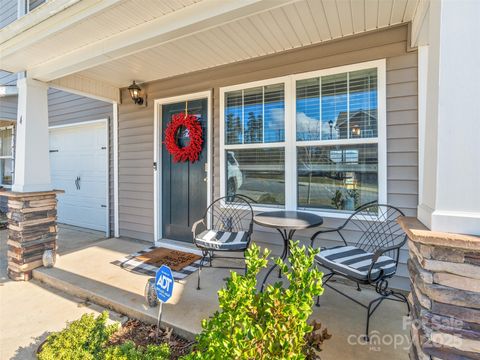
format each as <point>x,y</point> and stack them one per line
<point>128,351</point>
<point>87,338</point>
<point>268,325</point>
<point>82,339</point>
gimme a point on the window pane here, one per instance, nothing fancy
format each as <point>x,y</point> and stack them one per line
<point>308,109</point>
<point>6,171</point>
<point>334,107</point>
<point>274,111</point>
<point>33,4</point>
<point>337,177</point>
<point>6,142</point>
<point>363,103</point>
<point>253,115</point>
<point>257,173</point>
<point>233,117</point>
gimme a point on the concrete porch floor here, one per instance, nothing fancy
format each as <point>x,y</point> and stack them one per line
<point>86,272</point>
<point>29,311</point>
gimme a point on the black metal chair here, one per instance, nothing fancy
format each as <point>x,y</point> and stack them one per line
<point>228,227</point>
<point>373,260</point>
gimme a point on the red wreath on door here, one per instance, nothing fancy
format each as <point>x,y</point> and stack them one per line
<point>192,151</point>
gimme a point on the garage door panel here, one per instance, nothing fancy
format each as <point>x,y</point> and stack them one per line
<point>83,217</point>
<point>78,160</point>
<point>67,162</point>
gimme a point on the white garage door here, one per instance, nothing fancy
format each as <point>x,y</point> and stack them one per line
<point>78,160</point>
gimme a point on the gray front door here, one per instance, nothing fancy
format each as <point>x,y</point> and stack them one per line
<point>184,185</point>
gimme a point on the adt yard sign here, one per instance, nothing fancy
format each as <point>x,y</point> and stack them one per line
<point>164,283</point>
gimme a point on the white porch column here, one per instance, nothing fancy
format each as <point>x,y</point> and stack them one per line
<point>32,163</point>
<point>450,137</point>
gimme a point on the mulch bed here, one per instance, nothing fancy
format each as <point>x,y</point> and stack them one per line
<point>145,334</point>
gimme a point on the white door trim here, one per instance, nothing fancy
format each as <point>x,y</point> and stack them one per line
<point>116,227</point>
<point>107,172</point>
<point>157,154</point>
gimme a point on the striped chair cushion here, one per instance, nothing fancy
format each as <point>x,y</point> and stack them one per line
<point>354,262</point>
<point>222,240</point>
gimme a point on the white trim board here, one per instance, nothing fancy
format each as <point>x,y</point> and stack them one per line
<point>290,143</point>
<point>157,155</point>
<point>107,172</point>
<point>116,229</point>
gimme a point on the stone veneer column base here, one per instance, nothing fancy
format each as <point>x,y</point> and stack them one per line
<point>445,282</point>
<point>32,229</point>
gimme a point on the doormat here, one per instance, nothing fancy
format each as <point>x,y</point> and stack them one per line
<point>149,260</point>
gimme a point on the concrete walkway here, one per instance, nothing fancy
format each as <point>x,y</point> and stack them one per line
<point>31,310</point>
<point>88,273</point>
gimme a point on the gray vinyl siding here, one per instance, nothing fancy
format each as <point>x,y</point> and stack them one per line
<point>7,78</point>
<point>136,124</point>
<point>8,108</point>
<point>8,104</point>
<point>8,12</point>
<point>66,108</point>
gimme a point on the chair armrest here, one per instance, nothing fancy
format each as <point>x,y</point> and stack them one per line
<point>337,230</point>
<point>383,250</point>
<point>376,256</point>
<point>195,225</point>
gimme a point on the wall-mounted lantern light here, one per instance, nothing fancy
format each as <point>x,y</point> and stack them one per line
<point>135,91</point>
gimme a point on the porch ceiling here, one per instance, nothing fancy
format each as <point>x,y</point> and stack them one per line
<point>150,39</point>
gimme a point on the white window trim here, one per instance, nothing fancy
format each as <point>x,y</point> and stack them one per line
<point>290,144</point>
<point>11,157</point>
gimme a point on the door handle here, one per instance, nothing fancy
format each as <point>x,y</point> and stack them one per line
<point>77,182</point>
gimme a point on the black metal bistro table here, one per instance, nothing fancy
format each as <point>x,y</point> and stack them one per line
<point>286,223</point>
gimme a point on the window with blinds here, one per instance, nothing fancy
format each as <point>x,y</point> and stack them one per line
<point>337,108</point>
<point>255,117</point>
<point>331,155</point>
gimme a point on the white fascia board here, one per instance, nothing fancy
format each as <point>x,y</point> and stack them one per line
<point>48,19</point>
<point>190,20</point>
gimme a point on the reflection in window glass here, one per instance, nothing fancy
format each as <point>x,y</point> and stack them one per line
<point>347,110</point>
<point>308,109</point>
<point>233,117</point>
<point>337,177</point>
<point>334,107</point>
<point>363,103</point>
<point>274,110</point>
<point>255,115</point>
<point>257,173</point>
<point>6,171</point>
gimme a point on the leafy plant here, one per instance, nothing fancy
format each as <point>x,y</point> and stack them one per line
<point>268,325</point>
<point>81,339</point>
<point>86,339</point>
<point>128,351</point>
<point>314,340</point>
<point>337,200</point>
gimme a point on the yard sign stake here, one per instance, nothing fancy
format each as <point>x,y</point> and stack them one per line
<point>164,288</point>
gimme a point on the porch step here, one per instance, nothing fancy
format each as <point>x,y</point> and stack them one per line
<point>116,299</point>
